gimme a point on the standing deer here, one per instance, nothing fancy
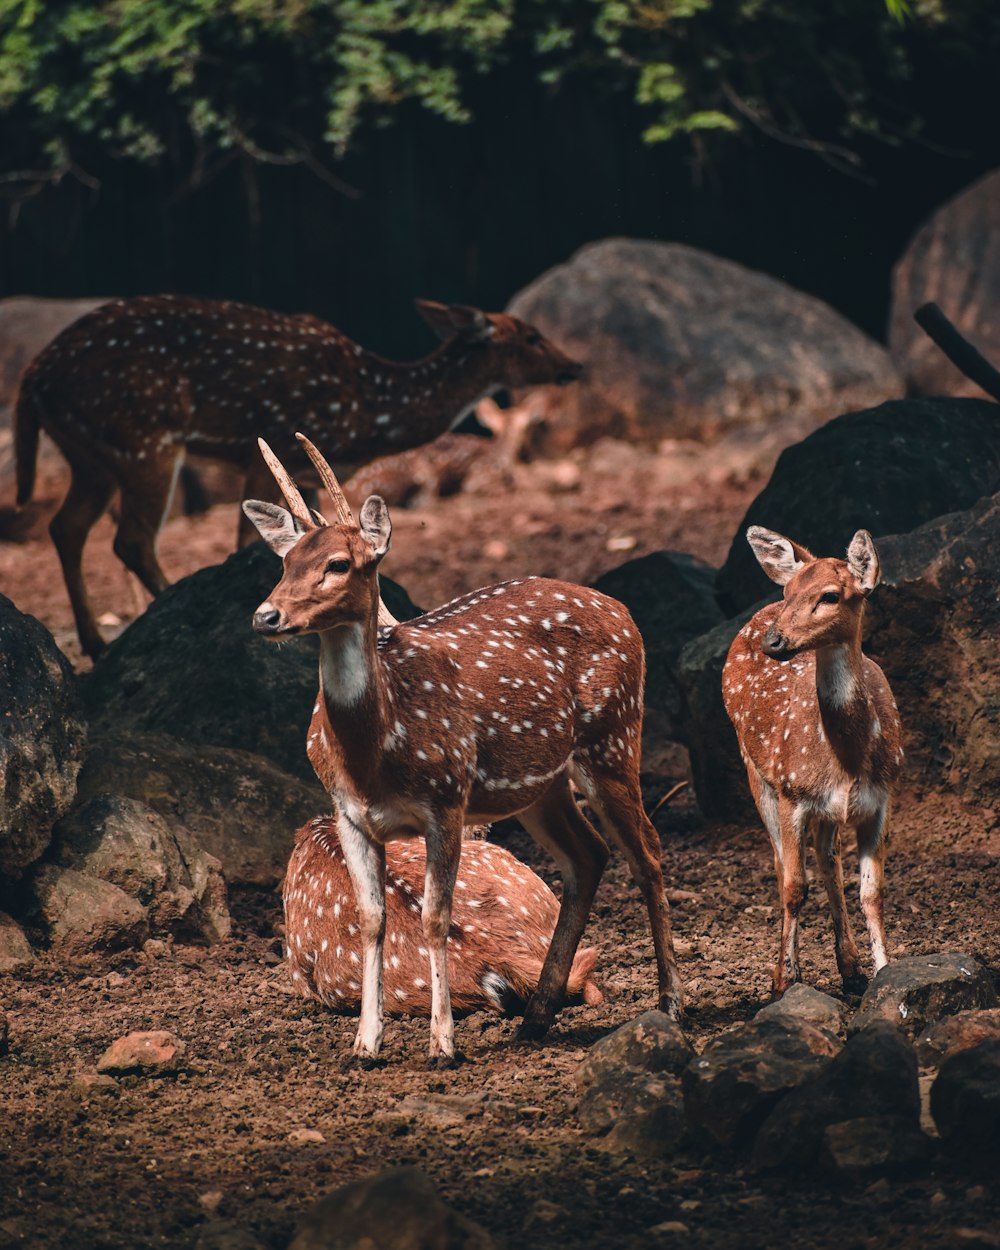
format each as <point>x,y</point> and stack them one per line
<point>502,920</point>
<point>491,706</point>
<point>820,736</point>
<point>130,389</point>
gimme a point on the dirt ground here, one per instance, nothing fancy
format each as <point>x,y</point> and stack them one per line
<point>161,1162</point>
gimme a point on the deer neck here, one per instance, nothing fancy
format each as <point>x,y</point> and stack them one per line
<point>844,707</point>
<point>424,398</point>
<point>352,704</point>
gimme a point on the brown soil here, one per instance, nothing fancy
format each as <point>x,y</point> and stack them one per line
<point>151,1162</point>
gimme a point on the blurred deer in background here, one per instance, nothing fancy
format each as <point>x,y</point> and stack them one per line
<point>820,735</point>
<point>454,462</point>
<point>130,389</point>
<point>494,705</point>
<point>502,920</point>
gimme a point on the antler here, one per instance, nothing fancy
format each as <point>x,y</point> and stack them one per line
<point>340,505</point>
<point>296,504</point>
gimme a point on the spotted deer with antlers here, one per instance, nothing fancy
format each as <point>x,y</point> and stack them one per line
<point>502,919</point>
<point>129,390</point>
<point>494,705</point>
<point>820,736</point>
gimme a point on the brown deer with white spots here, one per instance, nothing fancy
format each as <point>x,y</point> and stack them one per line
<point>453,462</point>
<point>129,390</point>
<point>494,705</point>
<point>502,919</point>
<point>820,736</point>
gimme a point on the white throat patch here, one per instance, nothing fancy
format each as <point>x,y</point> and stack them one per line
<point>835,682</point>
<point>343,665</point>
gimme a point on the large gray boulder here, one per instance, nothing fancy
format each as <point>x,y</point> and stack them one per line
<point>888,470</point>
<point>965,1101</point>
<point>733,1084</point>
<point>917,990</point>
<point>874,1075</point>
<point>235,806</point>
<point>42,739</point>
<point>680,343</point>
<point>954,260</point>
<point>191,667</point>
<point>671,597</point>
<point>142,878</point>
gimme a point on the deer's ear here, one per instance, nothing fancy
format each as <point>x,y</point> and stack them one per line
<point>447,320</point>
<point>778,556</point>
<point>863,561</point>
<point>376,527</point>
<point>491,415</point>
<point>275,525</point>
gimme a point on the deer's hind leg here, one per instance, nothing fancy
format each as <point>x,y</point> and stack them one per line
<point>617,800</point>
<point>90,492</point>
<point>873,842</point>
<point>557,824</point>
<point>146,497</point>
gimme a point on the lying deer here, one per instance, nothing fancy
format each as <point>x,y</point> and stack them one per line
<point>491,706</point>
<point>130,389</point>
<point>453,461</point>
<point>502,920</point>
<point>819,733</point>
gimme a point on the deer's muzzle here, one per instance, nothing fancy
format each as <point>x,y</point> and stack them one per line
<point>777,645</point>
<point>269,621</point>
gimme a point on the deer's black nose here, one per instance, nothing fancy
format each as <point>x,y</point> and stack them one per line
<point>775,645</point>
<point>266,619</point>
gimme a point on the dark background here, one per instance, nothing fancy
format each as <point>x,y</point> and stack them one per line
<point>472,213</point>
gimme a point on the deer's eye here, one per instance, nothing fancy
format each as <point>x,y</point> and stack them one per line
<point>339,566</point>
<point>830,596</point>
<point>533,339</point>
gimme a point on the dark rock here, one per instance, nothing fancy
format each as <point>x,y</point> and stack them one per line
<point>42,741</point>
<point>81,913</point>
<point>672,599</point>
<point>954,260</point>
<point>873,1146</point>
<point>677,342</point>
<point>15,949</point>
<point>918,990</point>
<point>191,667</point>
<point>128,845</point>
<point>650,1120</point>
<point>718,772</point>
<point>965,1100</point>
<point>152,1051</point>
<point>395,1210</point>
<point>802,1002</point>
<point>947,1037</point>
<point>730,1088</point>
<point>874,1075</point>
<point>887,470</point>
<point>651,1042</point>
<point>933,626</point>
<point>238,807</point>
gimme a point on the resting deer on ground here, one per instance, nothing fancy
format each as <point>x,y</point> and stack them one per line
<point>494,705</point>
<point>820,736</point>
<point>129,390</point>
<point>502,919</point>
<point>453,462</point>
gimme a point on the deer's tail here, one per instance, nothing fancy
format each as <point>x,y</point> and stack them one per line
<point>511,988</point>
<point>25,443</point>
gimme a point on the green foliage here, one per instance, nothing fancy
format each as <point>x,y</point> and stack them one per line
<point>192,83</point>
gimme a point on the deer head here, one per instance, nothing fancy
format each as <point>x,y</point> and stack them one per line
<point>531,360</point>
<point>329,577</point>
<point>823,598</point>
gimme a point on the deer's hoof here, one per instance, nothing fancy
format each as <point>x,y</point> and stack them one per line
<point>855,983</point>
<point>531,1030</point>
<point>358,1062</point>
<point>445,1063</point>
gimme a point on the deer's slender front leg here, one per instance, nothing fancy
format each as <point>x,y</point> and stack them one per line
<point>444,849</point>
<point>793,893</point>
<point>873,841</point>
<point>365,861</point>
<point>826,840</point>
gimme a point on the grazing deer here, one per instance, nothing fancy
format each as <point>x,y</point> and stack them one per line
<point>502,920</point>
<point>819,733</point>
<point>491,706</point>
<point>128,390</point>
<point>453,461</point>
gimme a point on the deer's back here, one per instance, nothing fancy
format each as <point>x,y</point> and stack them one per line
<point>205,371</point>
